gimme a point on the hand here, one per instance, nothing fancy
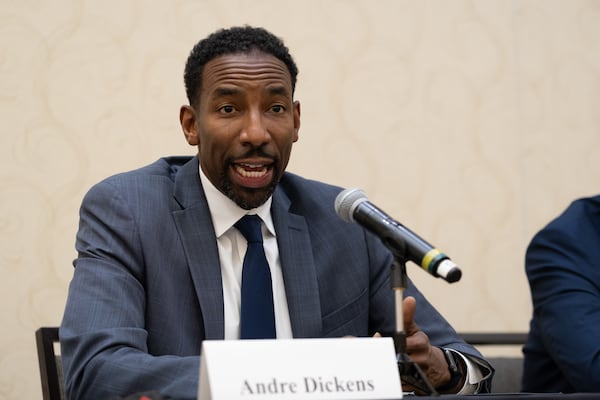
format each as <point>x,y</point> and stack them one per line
<point>429,358</point>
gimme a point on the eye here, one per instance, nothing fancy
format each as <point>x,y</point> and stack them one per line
<point>278,108</point>
<point>227,109</point>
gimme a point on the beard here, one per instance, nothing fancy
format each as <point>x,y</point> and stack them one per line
<point>247,198</point>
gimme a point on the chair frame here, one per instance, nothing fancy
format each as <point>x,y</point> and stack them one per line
<point>494,338</point>
<point>45,338</point>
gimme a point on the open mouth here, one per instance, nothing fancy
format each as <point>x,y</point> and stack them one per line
<point>251,175</point>
<point>251,170</point>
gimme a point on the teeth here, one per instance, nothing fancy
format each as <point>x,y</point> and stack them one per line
<point>251,174</point>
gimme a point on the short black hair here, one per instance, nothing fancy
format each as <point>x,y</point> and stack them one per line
<point>240,39</point>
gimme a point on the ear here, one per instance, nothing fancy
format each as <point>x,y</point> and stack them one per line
<point>187,118</point>
<point>296,119</point>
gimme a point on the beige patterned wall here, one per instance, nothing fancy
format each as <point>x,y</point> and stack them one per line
<point>472,122</point>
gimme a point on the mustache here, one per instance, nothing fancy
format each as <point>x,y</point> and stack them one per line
<point>254,152</point>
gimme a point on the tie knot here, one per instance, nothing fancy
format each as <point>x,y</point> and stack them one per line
<point>250,227</point>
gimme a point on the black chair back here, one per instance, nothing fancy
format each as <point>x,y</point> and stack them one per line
<point>50,364</point>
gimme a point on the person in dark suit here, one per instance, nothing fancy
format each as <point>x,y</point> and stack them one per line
<point>562,353</point>
<point>159,259</point>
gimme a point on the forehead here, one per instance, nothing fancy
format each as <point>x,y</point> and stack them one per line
<point>244,69</point>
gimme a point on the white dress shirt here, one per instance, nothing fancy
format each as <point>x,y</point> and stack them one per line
<point>232,248</point>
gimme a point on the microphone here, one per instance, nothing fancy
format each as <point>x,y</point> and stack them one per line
<point>352,205</point>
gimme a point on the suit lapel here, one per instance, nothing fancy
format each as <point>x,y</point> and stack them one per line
<point>196,231</point>
<point>298,267</point>
<point>197,234</point>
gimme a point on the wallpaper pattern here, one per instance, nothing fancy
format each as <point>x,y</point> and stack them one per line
<point>472,122</point>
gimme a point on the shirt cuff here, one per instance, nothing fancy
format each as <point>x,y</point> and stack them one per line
<point>474,375</point>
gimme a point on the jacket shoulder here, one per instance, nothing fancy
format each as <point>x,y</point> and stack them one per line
<point>307,193</point>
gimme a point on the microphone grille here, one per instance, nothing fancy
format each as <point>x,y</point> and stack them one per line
<point>347,201</point>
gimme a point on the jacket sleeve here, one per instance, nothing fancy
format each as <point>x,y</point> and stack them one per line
<point>103,334</point>
<point>438,329</point>
<point>562,265</point>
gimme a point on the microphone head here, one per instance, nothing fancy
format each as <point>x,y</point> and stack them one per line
<point>347,201</point>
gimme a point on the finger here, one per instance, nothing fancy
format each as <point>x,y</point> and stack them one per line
<point>409,306</point>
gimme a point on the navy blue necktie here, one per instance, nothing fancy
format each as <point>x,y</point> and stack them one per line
<point>257,319</point>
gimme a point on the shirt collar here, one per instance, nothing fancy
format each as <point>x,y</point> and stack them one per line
<point>225,213</point>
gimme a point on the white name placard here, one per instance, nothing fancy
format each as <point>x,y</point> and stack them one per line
<point>357,368</point>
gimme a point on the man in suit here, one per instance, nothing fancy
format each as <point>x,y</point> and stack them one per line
<point>160,258</point>
<point>563,268</point>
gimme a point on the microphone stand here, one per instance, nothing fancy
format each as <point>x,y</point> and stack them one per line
<point>410,372</point>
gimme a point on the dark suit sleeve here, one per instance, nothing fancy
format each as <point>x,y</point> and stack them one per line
<point>103,334</point>
<point>562,264</point>
<point>438,329</point>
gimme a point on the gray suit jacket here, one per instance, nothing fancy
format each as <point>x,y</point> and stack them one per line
<point>147,287</point>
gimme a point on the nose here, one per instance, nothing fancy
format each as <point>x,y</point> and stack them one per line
<point>254,130</point>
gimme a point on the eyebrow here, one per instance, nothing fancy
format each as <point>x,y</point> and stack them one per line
<point>226,91</point>
<point>277,90</point>
<point>232,91</point>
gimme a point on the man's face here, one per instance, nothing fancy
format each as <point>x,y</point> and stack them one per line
<point>244,125</point>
